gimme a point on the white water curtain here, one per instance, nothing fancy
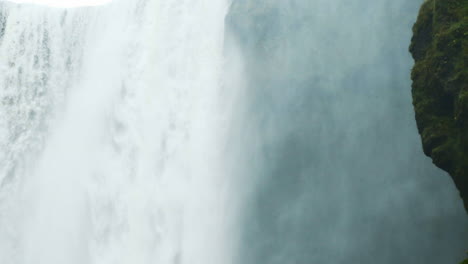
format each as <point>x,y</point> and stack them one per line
<point>112,127</point>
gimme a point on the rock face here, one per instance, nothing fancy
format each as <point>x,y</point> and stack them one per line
<point>440,86</point>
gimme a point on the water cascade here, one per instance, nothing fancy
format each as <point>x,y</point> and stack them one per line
<point>216,132</point>
<point>111,133</point>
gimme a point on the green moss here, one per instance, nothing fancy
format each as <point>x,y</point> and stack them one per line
<point>440,86</point>
<point>440,93</point>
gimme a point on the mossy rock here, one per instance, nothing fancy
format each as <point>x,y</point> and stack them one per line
<point>440,86</point>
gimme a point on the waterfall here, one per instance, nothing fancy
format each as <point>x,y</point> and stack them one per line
<point>112,131</point>
<point>216,132</point>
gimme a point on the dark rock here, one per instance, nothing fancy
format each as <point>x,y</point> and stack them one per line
<point>440,86</point>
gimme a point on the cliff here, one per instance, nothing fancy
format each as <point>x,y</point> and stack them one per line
<point>440,92</point>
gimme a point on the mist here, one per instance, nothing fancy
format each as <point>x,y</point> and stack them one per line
<point>336,168</point>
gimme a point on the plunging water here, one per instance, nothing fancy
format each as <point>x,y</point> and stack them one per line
<point>134,133</point>
<point>111,134</point>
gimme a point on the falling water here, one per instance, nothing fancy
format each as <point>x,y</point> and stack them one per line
<point>157,131</point>
<point>111,134</point>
